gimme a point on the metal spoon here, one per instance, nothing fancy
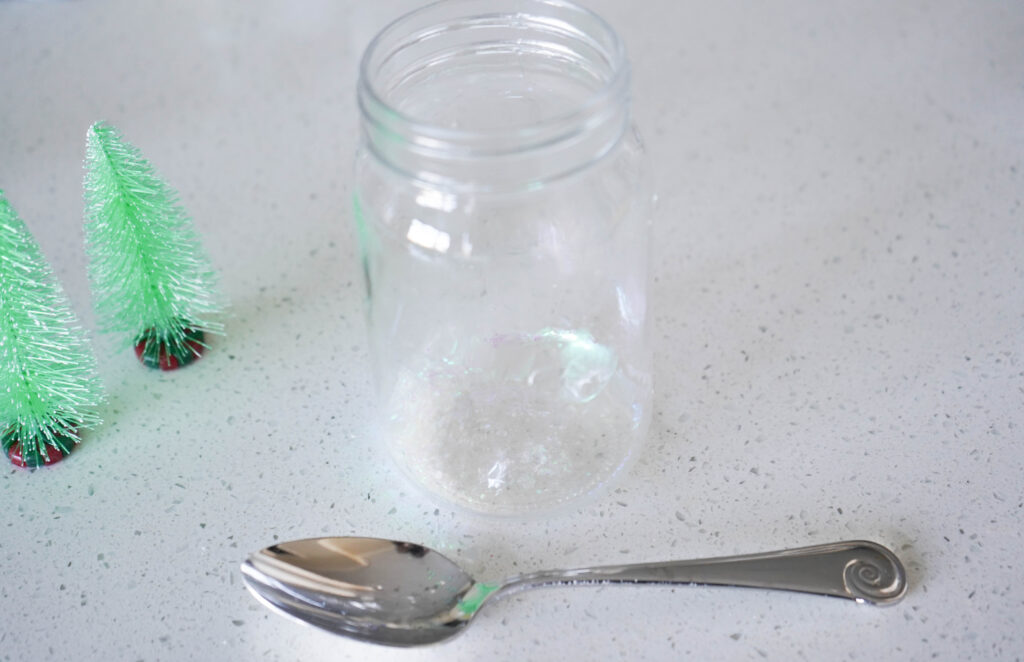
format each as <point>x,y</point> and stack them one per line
<point>402,594</point>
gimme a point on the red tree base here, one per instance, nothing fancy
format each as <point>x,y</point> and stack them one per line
<point>165,360</point>
<point>14,454</point>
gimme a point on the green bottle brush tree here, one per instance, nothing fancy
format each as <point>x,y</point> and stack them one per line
<point>50,388</point>
<point>151,280</point>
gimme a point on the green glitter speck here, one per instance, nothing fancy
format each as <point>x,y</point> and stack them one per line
<point>475,597</point>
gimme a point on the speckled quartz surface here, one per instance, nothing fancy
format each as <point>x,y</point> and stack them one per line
<point>839,327</point>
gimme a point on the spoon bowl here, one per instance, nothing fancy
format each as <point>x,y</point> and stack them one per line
<point>382,591</point>
<point>402,594</point>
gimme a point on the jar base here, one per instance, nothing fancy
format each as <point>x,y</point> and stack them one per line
<point>517,424</point>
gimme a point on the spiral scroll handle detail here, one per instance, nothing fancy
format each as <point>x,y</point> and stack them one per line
<point>874,575</point>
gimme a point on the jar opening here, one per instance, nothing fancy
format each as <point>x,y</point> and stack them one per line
<point>465,80</point>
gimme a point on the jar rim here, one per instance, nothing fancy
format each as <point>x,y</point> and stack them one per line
<point>546,131</point>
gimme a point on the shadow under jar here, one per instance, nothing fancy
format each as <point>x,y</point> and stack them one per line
<point>502,208</point>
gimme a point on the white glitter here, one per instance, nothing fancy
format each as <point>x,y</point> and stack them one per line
<point>516,423</point>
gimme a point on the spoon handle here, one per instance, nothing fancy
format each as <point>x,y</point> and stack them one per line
<point>857,570</point>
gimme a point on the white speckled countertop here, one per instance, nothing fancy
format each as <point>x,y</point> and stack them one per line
<point>839,330</point>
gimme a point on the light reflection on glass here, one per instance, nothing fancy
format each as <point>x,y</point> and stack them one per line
<point>428,236</point>
<point>434,199</point>
<point>631,308</point>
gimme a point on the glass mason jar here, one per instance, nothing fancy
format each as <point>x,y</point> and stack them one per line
<point>502,209</point>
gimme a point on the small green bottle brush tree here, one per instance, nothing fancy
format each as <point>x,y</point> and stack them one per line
<point>150,279</point>
<point>49,388</point>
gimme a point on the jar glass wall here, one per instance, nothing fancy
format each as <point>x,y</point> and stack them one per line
<point>502,211</point>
